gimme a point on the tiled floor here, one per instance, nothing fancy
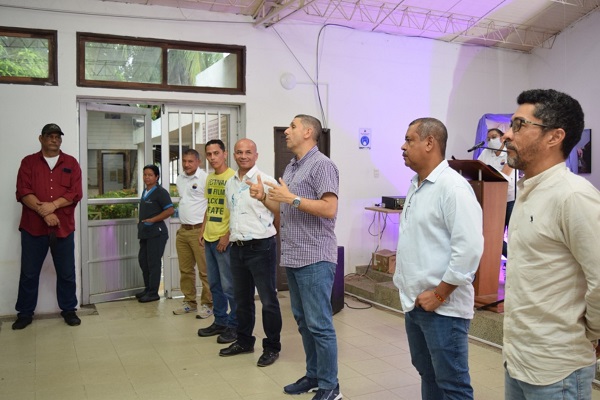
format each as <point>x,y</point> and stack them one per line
<point>129,350</point>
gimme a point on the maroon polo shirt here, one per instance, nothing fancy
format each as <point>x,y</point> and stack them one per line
<point>35,177</point>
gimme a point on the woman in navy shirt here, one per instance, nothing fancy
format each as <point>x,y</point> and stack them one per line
<point>155,207</point>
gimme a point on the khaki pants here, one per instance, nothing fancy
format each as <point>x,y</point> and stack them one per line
<point>190,254</point>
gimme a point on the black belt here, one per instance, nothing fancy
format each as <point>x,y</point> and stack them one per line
<point>190,227</point>
<point>249,242</point>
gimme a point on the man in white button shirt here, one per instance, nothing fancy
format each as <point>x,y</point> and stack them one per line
<point>439,247</point>
<point>192,205</point>
<point>552,291</point>
<point>253,257</point>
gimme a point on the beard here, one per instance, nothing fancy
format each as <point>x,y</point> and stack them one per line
<point>521,159</point>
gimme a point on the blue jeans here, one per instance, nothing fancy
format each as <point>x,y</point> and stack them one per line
<point>310,295</point>
<point>439,351</point>
<point>577,386</point>
<point>33,252</point>
<point>220,280</point>
<point>253,265</point>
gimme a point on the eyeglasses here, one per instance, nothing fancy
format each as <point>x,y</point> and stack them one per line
<point>517,123</point>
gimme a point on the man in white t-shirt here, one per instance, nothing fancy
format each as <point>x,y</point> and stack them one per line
<point>192,205</point>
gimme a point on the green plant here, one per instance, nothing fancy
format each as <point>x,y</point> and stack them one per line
<point>114,211</point>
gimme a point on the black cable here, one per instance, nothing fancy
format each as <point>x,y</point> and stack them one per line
<point>369,305</point>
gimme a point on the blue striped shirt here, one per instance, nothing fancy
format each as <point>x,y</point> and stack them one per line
<point>307,239</point>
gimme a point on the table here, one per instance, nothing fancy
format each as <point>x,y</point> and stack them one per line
<point>381,214</point>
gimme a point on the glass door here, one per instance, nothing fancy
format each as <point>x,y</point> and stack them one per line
<point>115,144</point>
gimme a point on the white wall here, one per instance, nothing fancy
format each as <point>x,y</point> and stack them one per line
<point>367,80</point>
<point>571,66</point>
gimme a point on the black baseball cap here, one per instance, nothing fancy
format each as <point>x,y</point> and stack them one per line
<point>51,128</point>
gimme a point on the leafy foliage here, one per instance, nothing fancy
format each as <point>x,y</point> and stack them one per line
<point>22,62</point>
<point>114,211</point>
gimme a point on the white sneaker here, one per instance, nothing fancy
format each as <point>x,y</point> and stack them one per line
<point>204,312</point>
<point>186,308</point>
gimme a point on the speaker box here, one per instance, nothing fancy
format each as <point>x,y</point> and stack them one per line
<point>337,291</point>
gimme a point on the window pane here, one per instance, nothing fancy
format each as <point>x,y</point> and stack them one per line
<point>153,64</point>
<point>115,162</point>
<point>24,57</point>
<point>202,68</point>
<point>122,63</point>
<point>28,56</point>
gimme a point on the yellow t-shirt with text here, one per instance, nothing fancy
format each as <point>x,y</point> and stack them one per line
<point>217,213</point>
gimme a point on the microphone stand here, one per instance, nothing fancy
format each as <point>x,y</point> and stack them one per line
<point>491,148</point>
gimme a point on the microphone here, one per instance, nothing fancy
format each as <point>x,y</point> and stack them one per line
<point>478,145</point>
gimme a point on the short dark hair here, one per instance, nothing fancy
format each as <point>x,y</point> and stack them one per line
<point>215,141</point>
<point>311,122</point>
<point>497,130</point>
<point>191,152</point>
<point>434,127</point>
<point>556,110</point>
<point>154,169</point>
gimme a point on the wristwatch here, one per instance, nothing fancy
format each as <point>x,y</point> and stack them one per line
<point>296,202</point>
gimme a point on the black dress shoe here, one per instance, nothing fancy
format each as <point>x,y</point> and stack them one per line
<point>147,298</point>
<point>212,330</point>
<point>141,294</point>
<point>22,322</point>
<point>267,358</point>
<point>229,336</point>
<point>234,350</point>
<point>71,318</point>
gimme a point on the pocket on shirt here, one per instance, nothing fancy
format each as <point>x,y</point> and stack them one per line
<point>65,180</point>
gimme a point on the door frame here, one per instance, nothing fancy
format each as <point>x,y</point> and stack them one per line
<point>84,107</point>
<point>170,262</point>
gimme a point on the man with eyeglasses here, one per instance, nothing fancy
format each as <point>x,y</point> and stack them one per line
<point>552,293</point>
<point>439,248</point>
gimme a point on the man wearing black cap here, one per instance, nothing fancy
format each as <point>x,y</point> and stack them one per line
<point>49,187</point>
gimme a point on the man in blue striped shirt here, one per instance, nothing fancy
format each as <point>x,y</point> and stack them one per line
<point>307,199</point>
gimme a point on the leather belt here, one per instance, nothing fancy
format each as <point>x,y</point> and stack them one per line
<point>190,227</point>
<point>242,243</point>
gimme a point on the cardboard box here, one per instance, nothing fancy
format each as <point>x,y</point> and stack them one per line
<point>384,261</point>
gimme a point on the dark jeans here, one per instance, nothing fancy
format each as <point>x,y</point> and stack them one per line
<point>151,252</point>
<point>253,265</point>
<point>33,252</point>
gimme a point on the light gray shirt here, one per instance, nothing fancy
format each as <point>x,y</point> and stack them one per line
<point>440,239</point>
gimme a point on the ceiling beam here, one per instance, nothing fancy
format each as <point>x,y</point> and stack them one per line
<point>270,14</point>
<point>358,13</point>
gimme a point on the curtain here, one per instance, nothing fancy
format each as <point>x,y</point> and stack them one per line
<point>482,128</point>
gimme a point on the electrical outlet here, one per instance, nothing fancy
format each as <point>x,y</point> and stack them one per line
<point>376,173</point>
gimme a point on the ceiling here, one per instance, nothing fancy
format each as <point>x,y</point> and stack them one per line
<point>520,25</point>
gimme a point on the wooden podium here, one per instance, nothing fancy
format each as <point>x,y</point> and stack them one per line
<point>490,188</point>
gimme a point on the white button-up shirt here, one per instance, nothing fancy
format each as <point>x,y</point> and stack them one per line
<point>552,291</point>
<point>440,239</point>
<point>249,218</point>
<point>490,158</point>
<point>192,203</point>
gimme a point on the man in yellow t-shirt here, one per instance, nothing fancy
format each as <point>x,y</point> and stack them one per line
<point>215,239</point>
